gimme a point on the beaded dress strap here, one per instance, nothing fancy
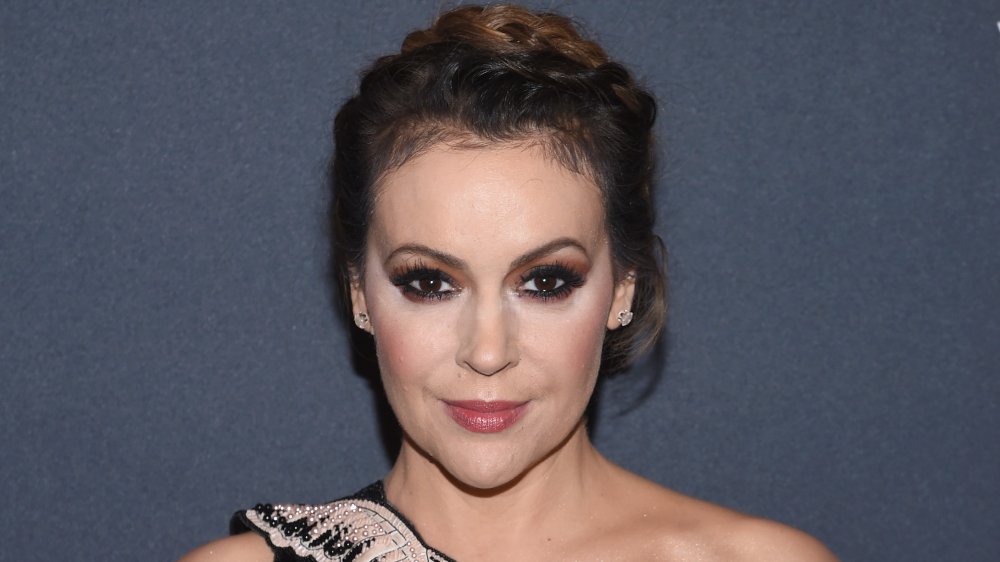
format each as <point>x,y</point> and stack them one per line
<point>359,528</point>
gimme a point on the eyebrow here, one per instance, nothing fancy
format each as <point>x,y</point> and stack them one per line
<point>454,262</point>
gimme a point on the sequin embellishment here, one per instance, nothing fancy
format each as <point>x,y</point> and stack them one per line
<point>348,530</point>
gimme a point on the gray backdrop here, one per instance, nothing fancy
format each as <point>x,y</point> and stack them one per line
<point>829,192</point>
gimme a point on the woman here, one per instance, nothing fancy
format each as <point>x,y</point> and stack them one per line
<point>494,235</point>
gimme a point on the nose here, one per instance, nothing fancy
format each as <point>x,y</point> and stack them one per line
<point>487,337</point>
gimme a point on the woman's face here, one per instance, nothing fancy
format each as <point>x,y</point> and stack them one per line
<point>488,283</point>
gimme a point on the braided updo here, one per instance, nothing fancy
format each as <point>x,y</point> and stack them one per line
<point>502,74</point>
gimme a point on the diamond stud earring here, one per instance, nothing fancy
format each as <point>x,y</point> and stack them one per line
<point>361,320</point>
<point>625,317</point>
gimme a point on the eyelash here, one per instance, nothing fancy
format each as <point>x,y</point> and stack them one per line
<point>419,272</point>
<point>571,280</point>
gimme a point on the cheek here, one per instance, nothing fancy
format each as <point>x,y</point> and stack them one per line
<point>568,344</point>
<point>410,344</point>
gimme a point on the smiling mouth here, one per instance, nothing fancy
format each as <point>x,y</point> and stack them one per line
<point>479,416</point>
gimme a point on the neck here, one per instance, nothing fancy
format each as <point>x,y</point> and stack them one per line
<point>442,507</point>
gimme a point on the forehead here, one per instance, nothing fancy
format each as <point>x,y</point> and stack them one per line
<point>506,198</point>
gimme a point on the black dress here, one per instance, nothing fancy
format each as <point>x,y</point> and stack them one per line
<point>362,527</point>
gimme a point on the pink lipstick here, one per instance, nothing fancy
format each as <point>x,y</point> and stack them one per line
<point>479,416</point>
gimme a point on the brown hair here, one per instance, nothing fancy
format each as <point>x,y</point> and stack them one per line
<point>501,74</point>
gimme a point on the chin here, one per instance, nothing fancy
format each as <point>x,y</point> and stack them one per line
<point>490,469</point>
<point>484,478</point>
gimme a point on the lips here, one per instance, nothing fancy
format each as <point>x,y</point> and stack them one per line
<point>479,416</point>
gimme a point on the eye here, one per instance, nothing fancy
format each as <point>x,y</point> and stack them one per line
<point>550,282</point>
<point>543,284</point>
<point>423,283</point>
<point>430,285</point>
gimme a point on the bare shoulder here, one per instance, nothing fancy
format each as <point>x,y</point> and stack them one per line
<point>247,547</point>
<point>687,528</point>
<point>753,539</point>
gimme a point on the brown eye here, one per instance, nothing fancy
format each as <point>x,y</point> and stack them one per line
<point>431,285</point>
<point>428,285</point>
<point>550,282</point>
<point>544,284</point>
<point>421,283</point>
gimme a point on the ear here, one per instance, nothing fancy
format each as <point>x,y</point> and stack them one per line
<point>624,292</point>
<point>358,303</point>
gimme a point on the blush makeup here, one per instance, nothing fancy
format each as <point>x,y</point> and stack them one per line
<point>479,416</point>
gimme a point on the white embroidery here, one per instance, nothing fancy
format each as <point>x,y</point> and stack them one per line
<point>344,528</point>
